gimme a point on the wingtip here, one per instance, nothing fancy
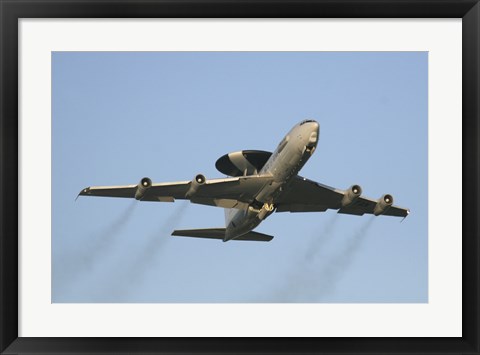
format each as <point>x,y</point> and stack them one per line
<point>408,213</point>
<point>82,192</point>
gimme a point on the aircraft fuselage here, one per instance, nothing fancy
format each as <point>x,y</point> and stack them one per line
<point>286,161</point>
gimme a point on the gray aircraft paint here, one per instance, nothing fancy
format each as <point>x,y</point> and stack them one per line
<point>262,183</point>
<point>286,161</point>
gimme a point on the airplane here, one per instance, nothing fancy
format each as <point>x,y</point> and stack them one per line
<point>259,184</point>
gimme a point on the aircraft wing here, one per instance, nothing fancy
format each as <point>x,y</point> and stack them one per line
<point>304,195</point>
<point>232,192</point>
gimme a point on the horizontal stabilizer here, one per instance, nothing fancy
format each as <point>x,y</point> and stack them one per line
<point>219,233</point>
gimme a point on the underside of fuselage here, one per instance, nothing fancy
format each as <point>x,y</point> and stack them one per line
<point>283,164</point>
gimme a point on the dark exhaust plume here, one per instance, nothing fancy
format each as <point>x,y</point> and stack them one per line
<point>313,277</point>
<point>318,240</point>
<point>135,265</point>
<point>68,267</point>
<point>156,241</point>
<point>104,239</point>
<point>338,264</point>
<point>293,282</point>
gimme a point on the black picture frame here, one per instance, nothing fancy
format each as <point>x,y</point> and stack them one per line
<point>12,10</point>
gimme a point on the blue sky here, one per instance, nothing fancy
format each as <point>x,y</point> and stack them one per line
<point>120,116</point>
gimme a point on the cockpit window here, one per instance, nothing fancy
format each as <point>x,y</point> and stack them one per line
<point>305,121</point>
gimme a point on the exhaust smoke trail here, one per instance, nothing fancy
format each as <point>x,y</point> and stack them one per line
<point>318,241</point>
<point>338,264</point>
<point>69,267</point>
<point>313,277</point>
<point>103,240</point>
<point>156,241</point>
<point>294,283</point>
<point>135,265</point>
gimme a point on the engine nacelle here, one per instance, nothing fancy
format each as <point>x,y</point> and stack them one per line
<point>142,187</point>
<point>351,195</point>
<point>385,202</point>
<point>197,181</point>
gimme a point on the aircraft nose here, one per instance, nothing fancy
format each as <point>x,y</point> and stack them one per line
<point>314,133</point>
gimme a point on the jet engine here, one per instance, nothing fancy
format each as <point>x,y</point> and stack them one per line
<point>197,181</point>
<point>385,202</point>
<point>142,187</point>
<point>351,195</point>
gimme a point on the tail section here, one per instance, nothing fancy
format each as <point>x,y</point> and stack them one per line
<point>229,213</point>
<point>219,233</point>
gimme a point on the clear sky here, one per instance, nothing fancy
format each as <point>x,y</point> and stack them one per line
<point>120,116</point>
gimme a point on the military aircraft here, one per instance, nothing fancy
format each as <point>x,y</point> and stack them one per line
<point>260,183</point>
